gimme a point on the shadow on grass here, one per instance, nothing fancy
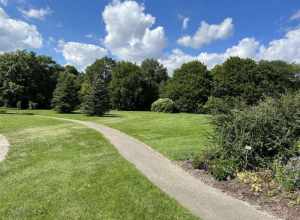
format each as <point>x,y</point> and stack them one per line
<point>16,113</point>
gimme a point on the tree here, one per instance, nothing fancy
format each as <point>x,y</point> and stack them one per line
<point>244,78</point>
<point>97,102</point>
<point>190,87</point>
<point>72,70</point>
<point>128,88</point>
<point>102,67</point>
<point>155,75</point>
<point>65,97</point>
<point>26,77</point>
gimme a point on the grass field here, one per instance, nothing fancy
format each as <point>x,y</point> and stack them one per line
<point>60,170</point>
<point>177,136</point>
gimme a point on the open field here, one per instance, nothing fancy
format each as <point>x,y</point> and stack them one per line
<point>61,170</point>
<point>177,136</point>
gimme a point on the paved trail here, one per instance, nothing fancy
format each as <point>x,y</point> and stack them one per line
<point>202,200</point>
<point>4,147</point>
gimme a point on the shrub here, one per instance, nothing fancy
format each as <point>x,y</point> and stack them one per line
<point>216,105</point>
<point>163,105</point>
<point>224,105</point>
<point>222,169</point>
<point>288,176</point>
<point>261,134</point>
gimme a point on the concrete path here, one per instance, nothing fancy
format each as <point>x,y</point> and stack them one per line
<point>202,200</point>
<point>4,147</point>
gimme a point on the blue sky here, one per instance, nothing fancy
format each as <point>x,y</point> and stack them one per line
<point>78,32</point>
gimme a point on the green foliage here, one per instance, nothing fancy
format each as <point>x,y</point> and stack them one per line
<point>129,88</point>
<point>65,97</point>
<point>251,81</point>
<point>222,169</point>
<point>155,76</point>
<point>102,67</point>
<point>224,105</point>
<point>189,87</point>
<point>97,102</point>
<point>163,105</point>
<point>259,135</point>
<point>288,176</point>
<point>25,77</point>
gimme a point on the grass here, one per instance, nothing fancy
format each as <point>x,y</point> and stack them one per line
<point>60,170</point>
<point>177,136</point>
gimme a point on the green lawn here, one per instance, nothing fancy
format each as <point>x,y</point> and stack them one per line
<point>177,136</point>
<point>60,170</point>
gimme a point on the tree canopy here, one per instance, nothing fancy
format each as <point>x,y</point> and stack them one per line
<point>26,77</point>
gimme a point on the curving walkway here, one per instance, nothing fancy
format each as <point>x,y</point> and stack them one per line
<point>4,147</point>
<point>202,200</point>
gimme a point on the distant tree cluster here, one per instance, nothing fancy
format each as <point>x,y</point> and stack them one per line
<point>27,79</point>
<point>31,81</point>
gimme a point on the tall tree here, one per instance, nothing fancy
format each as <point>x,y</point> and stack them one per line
<point>27,78</point>
<point>65,97</point>
<point>97,102</point>
<point>155,75</point>
<point>190,87</point>
<point>128,88</point>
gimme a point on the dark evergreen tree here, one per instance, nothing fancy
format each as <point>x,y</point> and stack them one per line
<point>97,102</point>
<point>65,97</point>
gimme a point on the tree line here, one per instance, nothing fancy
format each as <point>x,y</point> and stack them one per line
<point>28,80</point>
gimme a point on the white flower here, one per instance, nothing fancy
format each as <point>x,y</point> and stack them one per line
<point>247,147</point>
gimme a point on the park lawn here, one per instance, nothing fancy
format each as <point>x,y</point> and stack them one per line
<point>177,136</point>
<point>61,170</point>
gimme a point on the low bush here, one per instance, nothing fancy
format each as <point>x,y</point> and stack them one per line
<point>223,169</point>
<point>288,176</point>
<point>224,105</point>
<point>163,105</point>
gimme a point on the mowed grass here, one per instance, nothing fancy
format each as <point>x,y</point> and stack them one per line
<point>60,170</point>
<point>177,136</point>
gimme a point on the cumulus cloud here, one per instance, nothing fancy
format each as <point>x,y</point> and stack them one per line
<point>295,16</point>
<point>247,47</point>
<point>17,34</point>
<point>79,54</point>
<point>39,14</point>
<point>130,35</point>
<point>286,48</point>
<point>208,33</point>
<point>4,2</point>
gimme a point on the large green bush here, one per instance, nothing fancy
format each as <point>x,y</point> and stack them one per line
<point>163,105</point>
<point>257,136</point>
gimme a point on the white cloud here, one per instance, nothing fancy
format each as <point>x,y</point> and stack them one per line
<point>4,2</point>
<point>36,13</point>
<point>295,16</point>
<point>247,47</point>
<point>286,48</point>
<point>79,54</point>
<point>17,34</point>
<point>129,34</point>
<point>185,23</point>
<point>207,33</point>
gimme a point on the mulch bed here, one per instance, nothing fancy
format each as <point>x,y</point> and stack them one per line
<point>278,205</point>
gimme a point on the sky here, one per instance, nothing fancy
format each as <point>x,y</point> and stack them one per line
<point>171,31</point>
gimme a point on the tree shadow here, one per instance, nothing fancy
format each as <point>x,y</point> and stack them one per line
<point>17,113</point>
